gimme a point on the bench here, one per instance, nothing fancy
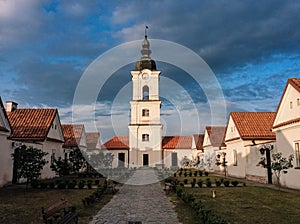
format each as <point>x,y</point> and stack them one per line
<point>60,213</point>
<point>170,184</point>
<point>110,185</point>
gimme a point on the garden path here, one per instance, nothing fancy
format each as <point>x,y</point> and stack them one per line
<point>141,199</point>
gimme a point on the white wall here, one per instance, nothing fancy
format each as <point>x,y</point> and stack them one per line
<point>6,162</point>
<point>286,139</point>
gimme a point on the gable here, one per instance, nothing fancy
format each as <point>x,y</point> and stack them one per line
<point>206,139</point>
<point>4,122</point>
<point>231,131</point>
<point>55,131</point>
<point>288,110</point>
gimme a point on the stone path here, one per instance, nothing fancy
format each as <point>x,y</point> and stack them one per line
<point>141,199</point>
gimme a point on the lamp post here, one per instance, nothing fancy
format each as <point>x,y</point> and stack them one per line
<point>221,160</point>
<point>267,149</point>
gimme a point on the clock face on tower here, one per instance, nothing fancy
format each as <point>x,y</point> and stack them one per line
<point>145,76</point>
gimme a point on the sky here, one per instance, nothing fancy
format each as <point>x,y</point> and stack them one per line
<point>251,47</point>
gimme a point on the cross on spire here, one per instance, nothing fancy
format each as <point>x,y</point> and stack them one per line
<point>146,27</point>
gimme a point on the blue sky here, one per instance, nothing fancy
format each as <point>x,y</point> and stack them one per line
<point>251,46</point>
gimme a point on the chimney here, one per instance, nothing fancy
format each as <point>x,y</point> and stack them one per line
<point>11,106</point>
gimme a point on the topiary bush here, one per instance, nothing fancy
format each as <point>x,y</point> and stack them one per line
<point>206,173</point>
<point>200,183</point>
<point>195,173</point>
<point>200,173</point>
<point>180,173</point>
<point>51,185</point>
<point>234,183</point>
<point>190,174</point>
<point>62,185</point>
<point>226,183</point>
<point>43,185</point>
<point>34,184</point>
<point>185,181</point>
<point>218,183</point>
<point>185,174</point>
<point>81,185</point>
<point>208,183</point>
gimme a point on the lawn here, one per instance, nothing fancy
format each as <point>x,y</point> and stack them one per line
<point>24,206</point>
<point>245,205</point>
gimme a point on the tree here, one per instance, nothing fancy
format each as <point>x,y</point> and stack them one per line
<point>77,160</point>
<point>61,167</point>
<point>28,162</point>
<point>279,164</point>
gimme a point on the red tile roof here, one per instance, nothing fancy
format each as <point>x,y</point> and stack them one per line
<point>216,135</point>
<point>254,125</point>
<point>72,134</point>
<point>117,142</point>
<point>31,124</point>
<point>92,139</point>
<point>199,138</point>
<point>177,142</point>
<point>295,82</point>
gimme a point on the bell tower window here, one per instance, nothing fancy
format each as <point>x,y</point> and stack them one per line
<point>145,137</point>
<point>145,93</point>
<point>145,113</point>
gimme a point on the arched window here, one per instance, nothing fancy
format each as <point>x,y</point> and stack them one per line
<point>145,137</point>
<point>145,113</point>
<point>145,93</point>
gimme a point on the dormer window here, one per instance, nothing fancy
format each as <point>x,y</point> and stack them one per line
<point>145,113</point>
<point>145,137</point>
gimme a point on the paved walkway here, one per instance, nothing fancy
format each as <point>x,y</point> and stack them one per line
<point>141,199</point>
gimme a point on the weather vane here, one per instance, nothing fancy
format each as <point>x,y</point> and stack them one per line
<point>146,27</point>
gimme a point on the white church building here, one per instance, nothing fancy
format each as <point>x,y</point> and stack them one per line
<point>145,145</point>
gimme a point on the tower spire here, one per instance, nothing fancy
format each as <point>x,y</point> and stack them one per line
<point>145,62</point>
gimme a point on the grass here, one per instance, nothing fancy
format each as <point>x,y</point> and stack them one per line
<point>24,206</point>
<point>245,205</point>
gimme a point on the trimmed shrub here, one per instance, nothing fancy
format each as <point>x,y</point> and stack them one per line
<point>89,184</point>
<point>206,173</point>
<point>97,182</point>
<point>193,183</point>
<point>62,185</point>
<point>218,183</point>
<point>180,173</point>
<point>71,185</point>
<point>226,183</point>
<point>43,185</point>
<point>195,173</point>
<point>200,173</point>
<point>174,174</point>
<point>51,185</point>
<point>190,174</point>
<point>34,184</point>
<point>185,174</point>
<point>81,184</point>
<point>200,183</point>
<point>234,183</point>
<point>208,183</point>
<point>181,184</point>
<point>185,181</point>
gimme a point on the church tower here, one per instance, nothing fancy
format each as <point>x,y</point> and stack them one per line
<point>145,128</point>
